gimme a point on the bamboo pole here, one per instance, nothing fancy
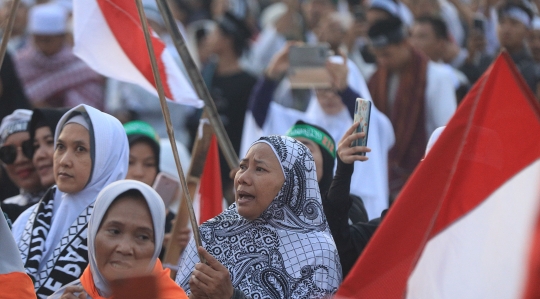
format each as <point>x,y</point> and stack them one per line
<point>7,32</point>
<point>168,123</point>
<point>198,159</point>
<point>201,89</point>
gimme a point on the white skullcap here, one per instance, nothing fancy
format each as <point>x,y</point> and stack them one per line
<point>47,19</point>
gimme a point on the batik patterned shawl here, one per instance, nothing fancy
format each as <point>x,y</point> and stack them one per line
<point>287,252</point>
<point>61,80</point>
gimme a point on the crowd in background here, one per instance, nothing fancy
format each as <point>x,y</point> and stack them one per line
<point>414,60</point>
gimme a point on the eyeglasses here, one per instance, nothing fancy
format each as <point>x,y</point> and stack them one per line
<point>8,153</point>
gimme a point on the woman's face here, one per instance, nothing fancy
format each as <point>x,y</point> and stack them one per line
<point>72,161</point>
<point>258,181</point>
<point>43,155</point>
<point>142,163</point>
<point>21,171</point>
<point>124,243</point>
<point>316,153</point>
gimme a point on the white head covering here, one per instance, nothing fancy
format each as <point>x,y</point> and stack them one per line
<point>47,19</point>
<point>287,252</point>
<point>10,260</point>
<point>374,173</point>
<point>110,159</point>
<point>536,23</point>
<point>14,123</point>
<point>104,200</point>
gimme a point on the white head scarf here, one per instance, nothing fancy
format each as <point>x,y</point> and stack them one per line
<point>372,174</point>
<point>103,202</point>
<point>287,252</point>
<point>109,149</point>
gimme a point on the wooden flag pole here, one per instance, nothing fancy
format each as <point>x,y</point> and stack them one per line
<point>168,123</point>
<point>201,89</point>
<point>7,32</point>
<point>198,159</point>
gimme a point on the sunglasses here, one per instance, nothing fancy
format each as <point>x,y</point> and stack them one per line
<point>8,153</point>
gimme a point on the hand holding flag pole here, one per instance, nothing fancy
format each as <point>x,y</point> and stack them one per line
<point>168,123</point>
<point>7,32</point>
<point>201,89</point>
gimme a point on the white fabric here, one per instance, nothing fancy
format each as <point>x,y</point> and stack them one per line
<point>110,163</point>
<point>485,253</point>
<point>47,19</point>
<point>450,15</point>
<point>10,260</point>
<point>286,252</point>
<point>536,23</point>
<point>370,179</point>
<point>104,200</point>
<point>434,137</point>
<point>440,97</point>
<point>96,44</point>
<point>168,165</point>
<point>78,119</point>
<point>14,123</point>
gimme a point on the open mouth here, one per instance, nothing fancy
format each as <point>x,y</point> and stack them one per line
<point>245,196</point>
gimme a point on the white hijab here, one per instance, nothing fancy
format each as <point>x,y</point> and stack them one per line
<point>370,179</point>
<point>110,160</point>
<point>104,200</point>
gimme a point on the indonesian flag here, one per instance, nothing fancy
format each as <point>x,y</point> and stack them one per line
<point>210,194</point>
<point>467,223</point>
<point>14,282</point>
<point>109,38</point>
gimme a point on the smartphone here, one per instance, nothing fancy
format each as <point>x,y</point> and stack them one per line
<point>167,186</point>
<point>308,66</point>
<point>362,113</point>
<point>478,24</point>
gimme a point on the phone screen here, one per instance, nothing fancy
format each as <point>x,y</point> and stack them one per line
<point>362,115</point>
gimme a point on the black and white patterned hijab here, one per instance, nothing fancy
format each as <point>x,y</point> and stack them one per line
<point>288,251</point>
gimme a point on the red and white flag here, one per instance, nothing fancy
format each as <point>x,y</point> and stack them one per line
<point>109,38</point>
<point>467,223</point>
<point>210,194</point>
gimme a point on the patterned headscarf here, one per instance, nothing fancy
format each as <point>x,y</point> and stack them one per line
<point>287,252</point>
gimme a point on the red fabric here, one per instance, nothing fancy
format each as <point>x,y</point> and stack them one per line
<point>532,291</point>
<point>211,196</point>
<point>124,22</point>
<point>167,288</point>
<point>475,154</point>
<point>407,116</point>
<point>16,285</point>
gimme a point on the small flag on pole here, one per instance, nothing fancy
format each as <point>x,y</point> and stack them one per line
<point>210,194</point>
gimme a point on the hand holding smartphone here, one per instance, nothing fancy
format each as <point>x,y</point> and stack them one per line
<point>362,115</point>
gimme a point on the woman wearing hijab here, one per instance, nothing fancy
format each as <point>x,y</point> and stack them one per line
<point>128,217</point>
<point>331,109</point>
<point>274,240</point>
<point>41,128</point>
<point>323,148</point>
<point>143,152</point>
<point>91,151</point>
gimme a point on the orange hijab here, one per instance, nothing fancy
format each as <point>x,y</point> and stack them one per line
<point>167,288</point>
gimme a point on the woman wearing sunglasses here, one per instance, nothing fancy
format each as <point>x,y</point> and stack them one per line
<point>17,161</point>
<point>91,151</point>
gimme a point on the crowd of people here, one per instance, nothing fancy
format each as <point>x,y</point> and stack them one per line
<point>80,152</point>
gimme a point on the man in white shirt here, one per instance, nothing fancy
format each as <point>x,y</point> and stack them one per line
<point>415,93</point>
